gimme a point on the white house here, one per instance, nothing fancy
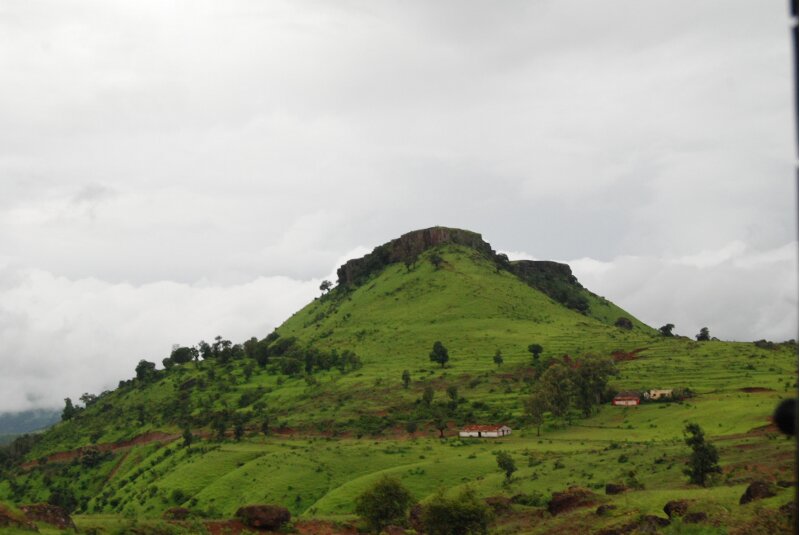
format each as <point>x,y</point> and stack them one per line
<point>485,431</point>
<point>657,393</point>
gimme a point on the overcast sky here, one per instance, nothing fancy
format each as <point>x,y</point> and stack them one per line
<point>170,171</point>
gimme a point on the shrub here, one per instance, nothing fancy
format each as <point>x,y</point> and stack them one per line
<point>465,514</point>
<point>385,502</point>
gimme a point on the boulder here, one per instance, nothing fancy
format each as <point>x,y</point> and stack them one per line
<point>757,490</point>
<point>605,509</point>
<point>615,488</point>
<point>651,523</point>
<point>569,499</point>
<point>49,514</point>
<point>676,508</point>
<point>499,504</point>
<point>270,517</point>
<point>695,518</point>
<point>176,513</point>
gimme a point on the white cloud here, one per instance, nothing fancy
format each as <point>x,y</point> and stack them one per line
<point>63,337</point>
<point>739,294</point>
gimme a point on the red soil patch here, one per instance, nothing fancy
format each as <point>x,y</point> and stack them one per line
<point>754,389</point>
<point>320,527</point>
<point>620,356</point>
<point>147,438</point>
<point>226,527</point>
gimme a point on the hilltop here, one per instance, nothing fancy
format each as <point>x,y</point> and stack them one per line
<point>309,415</point>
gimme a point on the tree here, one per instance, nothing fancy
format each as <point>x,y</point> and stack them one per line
<point>265,425</point>
<point>440,423</point>
<point>465,514</point>
<point>406,378</point>
<point>411,427</point>
<point>427,395</point>
<point>439,354</point>
<point>187,437</point>
<point>556,384</point>
<point>88,399</point>
<point>666,330</point>
<point>436,260</point>
<point>590,380</point>
<point>385,502</point>
<point>238,431</point>
<point>704,459</point>
<point>506,463</point>
<point>326,286</point>
<point>145,370</point>
<point>624,323</point>
<point>535,407</point>
<point>535,350</point>
<point>452,392</point>
<point>703,335</point>
<point>182,355</point>
<point>69,411</point>
<point>498,358</point>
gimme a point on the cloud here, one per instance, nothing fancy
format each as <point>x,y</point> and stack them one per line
<point>739,293</point>
<point>63,337</point>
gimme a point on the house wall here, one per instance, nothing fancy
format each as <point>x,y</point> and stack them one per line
<point>625,402</point>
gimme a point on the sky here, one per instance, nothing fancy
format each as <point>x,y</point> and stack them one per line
<point>174,170</point>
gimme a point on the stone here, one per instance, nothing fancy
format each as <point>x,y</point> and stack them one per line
<point>264,516</point>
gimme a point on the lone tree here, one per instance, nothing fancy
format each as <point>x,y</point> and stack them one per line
<point>535,407</point>
<point>406,378</point>
<point>498,358</point>
<point>666,330</point>
<point>265,425</point>
<point>436,260</point>
<point>506,463</point>
<point>535,350</point>
<point>439,353</point>
<point>704,459</point>
<point>703,335</point>
<point>326,286</point>
<point>385,502</point>
<point>69,410</point>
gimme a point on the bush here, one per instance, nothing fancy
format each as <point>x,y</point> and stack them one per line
<point>465,514</point>
<point>385,502</point>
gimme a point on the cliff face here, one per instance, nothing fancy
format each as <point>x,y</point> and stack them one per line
<point>407,248</point>
<point>554,279</point>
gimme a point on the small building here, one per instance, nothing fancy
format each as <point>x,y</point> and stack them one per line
<point>657,393</point>
<point>627,399</point>
<point>485,431</point>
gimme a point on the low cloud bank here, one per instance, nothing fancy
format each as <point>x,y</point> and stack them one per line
<point>738,293</point>
<point>62,337</point>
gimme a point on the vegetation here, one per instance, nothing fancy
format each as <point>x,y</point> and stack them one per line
<point>314,414</point>
<point>704,459</point>
<point>385,502</point>
<point>463,515</point>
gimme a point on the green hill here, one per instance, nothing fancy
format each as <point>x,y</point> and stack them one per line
<point>328,387</point>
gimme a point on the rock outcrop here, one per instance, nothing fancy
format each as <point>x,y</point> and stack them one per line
<point>270,517</point>
<point>407,248</point>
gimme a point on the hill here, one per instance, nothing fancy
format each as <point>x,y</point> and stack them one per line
<point>309,415</point>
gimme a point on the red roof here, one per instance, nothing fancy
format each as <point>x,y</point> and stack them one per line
<point>483,427</point>
<point>628,395</point>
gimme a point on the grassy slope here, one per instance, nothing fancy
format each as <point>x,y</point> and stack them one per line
<point>473,310</point>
